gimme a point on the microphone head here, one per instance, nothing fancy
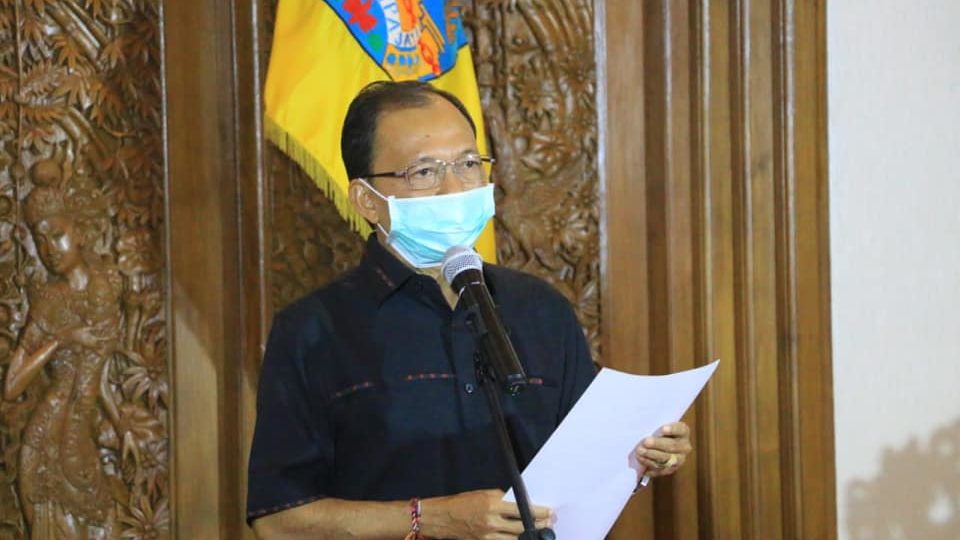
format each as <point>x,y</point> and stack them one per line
<point>457,259</point>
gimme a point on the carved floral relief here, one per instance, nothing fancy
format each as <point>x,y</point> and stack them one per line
<point>536,72</point>
<point>83,357</point>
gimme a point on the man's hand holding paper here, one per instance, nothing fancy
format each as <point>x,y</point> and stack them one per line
<point>666,451</point>
<point>589,468</point>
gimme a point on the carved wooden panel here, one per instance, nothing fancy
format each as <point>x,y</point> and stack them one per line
<point>536,71</point>
<point>535,63</point>
<point>83,422</point>
<point>311,244</point>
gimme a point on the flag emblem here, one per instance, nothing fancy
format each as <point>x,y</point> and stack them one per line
<point>403,37</point>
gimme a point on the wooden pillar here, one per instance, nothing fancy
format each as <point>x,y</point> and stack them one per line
<point>715,228</point>
<point>203,255</point>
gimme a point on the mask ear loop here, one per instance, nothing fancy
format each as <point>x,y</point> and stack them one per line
<point>378,194</point>
<point>374,190</point>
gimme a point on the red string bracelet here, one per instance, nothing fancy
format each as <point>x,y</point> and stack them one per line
<point>414,520</point>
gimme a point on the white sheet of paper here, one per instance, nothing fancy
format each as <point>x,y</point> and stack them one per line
<point>586,471</point>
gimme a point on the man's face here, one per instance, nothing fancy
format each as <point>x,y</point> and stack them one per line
<point>404,137</point>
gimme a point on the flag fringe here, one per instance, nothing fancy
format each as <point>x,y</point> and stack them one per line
<point>315,170</point>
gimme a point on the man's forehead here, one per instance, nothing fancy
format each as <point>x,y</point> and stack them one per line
<point>424,132</point>
<point>436,116</point>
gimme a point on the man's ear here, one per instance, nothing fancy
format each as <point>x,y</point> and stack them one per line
<point>363,200</point>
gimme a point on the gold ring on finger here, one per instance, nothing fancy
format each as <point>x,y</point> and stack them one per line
<point>672,461</point>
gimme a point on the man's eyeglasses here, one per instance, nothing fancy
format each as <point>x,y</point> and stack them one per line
<point>427,174</point>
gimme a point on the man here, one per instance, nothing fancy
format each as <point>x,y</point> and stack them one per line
<point>369,416</point>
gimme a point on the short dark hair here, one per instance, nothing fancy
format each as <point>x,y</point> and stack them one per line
<point>360,125</point>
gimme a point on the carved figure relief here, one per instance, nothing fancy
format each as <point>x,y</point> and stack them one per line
<point>72,328</point>
<point>83,422</point>
<point>536,70</point>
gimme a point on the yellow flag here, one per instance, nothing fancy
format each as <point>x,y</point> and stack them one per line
<point>326,51</point>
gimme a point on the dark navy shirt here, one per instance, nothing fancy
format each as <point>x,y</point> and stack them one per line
<point>368,390</point>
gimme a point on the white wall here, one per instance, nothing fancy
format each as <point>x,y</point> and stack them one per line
<point>894,106</point>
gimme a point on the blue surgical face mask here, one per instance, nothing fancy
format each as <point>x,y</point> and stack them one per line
<point>422,229</point>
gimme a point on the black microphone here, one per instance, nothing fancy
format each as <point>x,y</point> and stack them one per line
<point>462,268</point>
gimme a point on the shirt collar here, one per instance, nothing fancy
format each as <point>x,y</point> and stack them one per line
<point>385,271</point>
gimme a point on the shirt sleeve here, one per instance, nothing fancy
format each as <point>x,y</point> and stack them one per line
<point>292,449</point>
<point>579,369</point>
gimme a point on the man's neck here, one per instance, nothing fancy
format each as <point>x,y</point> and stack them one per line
<point>432,272</point>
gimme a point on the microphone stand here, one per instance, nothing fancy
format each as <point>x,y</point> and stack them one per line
<point>486,377</point>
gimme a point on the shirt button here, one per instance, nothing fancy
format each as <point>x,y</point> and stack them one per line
<point>468,388</point>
